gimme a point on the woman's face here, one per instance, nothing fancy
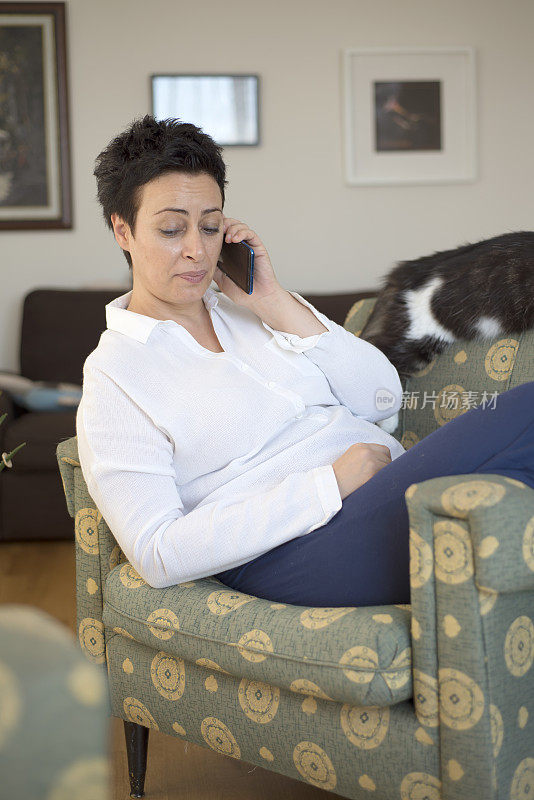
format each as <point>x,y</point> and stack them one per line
<point>179,229</point>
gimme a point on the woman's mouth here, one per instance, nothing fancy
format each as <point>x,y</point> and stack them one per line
<point>193,277</point>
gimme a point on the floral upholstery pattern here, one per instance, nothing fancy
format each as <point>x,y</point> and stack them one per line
<point>240,634</point>
<point>429,700</point>
<point>466,374</point>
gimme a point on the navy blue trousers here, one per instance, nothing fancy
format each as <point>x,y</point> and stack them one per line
<point>361,556</point>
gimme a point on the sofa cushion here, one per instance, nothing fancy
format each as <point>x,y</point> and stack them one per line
<point>350,655</point>
<point>466,374</point>
<point>40,395</point>
<point>42,431</point>
<point>49,398</point>
<point>46,352</point>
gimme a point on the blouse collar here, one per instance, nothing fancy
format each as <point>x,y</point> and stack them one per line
<point>139,326</point>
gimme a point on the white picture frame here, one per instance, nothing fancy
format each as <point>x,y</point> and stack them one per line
<point>226,106</point>
<point>433,140</point>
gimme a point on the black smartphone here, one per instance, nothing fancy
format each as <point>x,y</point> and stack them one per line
<point>237,261</point>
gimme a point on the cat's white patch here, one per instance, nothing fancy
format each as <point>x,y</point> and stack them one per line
<point>422,321</point>
<point>489,327</point>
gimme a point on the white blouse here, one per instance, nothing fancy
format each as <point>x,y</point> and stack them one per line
<point>201,461</point>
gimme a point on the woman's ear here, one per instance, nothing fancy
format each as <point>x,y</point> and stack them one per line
<point>121,231</point>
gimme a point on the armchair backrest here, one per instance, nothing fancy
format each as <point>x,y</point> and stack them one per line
<point>466,374</point>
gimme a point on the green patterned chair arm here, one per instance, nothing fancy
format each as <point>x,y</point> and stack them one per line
<point>67,459</point>
<point>472,598</point>
<point>346,654</point>
<point>97,551</point>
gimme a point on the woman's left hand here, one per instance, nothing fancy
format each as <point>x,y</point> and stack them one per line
<point>265,283</point>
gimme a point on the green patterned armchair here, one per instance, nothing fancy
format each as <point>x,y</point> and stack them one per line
<point>429,700</point>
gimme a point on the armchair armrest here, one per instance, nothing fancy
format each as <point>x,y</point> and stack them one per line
<point>97,552</point>
<point>472,597</point>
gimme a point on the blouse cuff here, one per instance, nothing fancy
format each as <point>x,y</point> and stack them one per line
<point>290,341</point>
<point>329,494</point>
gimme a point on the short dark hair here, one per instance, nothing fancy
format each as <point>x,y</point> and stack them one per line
<point>147,149</point>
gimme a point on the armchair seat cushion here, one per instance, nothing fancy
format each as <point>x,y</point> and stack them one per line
<point>360,656</point>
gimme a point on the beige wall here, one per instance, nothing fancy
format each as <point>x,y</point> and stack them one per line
<point>322,235</point>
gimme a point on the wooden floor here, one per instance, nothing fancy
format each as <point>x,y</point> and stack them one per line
<point>42,574</point>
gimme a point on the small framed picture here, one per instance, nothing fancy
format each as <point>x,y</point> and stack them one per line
<point>409,115</point>
<point>225,106</point>
<point>35,175</point>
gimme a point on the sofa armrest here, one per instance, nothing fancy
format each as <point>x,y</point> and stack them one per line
<point>97,552</point>
<point>472,597</point>
<point>6,403</point>
<point>6,407</point>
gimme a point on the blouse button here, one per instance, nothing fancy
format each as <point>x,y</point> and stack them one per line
<point>271,384</point>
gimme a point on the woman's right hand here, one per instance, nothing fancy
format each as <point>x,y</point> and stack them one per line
<point>359,463</point>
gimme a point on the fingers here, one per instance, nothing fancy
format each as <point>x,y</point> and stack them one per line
<point>374,446</point>
<point>381,452</point>
<point>241,234</point>
<point>236,231</point>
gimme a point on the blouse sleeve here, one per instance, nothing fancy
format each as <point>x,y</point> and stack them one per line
<point>360,375</point>
<point>127,463</point>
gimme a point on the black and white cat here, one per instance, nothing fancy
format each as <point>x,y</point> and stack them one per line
<point>477,291</point>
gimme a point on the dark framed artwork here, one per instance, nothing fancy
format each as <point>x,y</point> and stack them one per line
<point>225,106</point>
<point>35,172</point>
<point>410,115</point>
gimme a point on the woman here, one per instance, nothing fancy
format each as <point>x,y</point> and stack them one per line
<point>233,434</point>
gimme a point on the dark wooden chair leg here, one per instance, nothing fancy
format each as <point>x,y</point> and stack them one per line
<point>136,748</point>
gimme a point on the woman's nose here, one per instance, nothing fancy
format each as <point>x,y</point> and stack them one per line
<point>192,245</point>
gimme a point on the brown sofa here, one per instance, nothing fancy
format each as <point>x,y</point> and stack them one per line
<point>60,327</point>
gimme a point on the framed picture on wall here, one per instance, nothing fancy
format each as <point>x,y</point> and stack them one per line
<point>225,106</point>
<point>409,115</point>
<point>35,177</point>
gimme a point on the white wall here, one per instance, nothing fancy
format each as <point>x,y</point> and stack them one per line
<point>322,235</point>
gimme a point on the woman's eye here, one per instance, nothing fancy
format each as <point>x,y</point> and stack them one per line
<point>171,233</point>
